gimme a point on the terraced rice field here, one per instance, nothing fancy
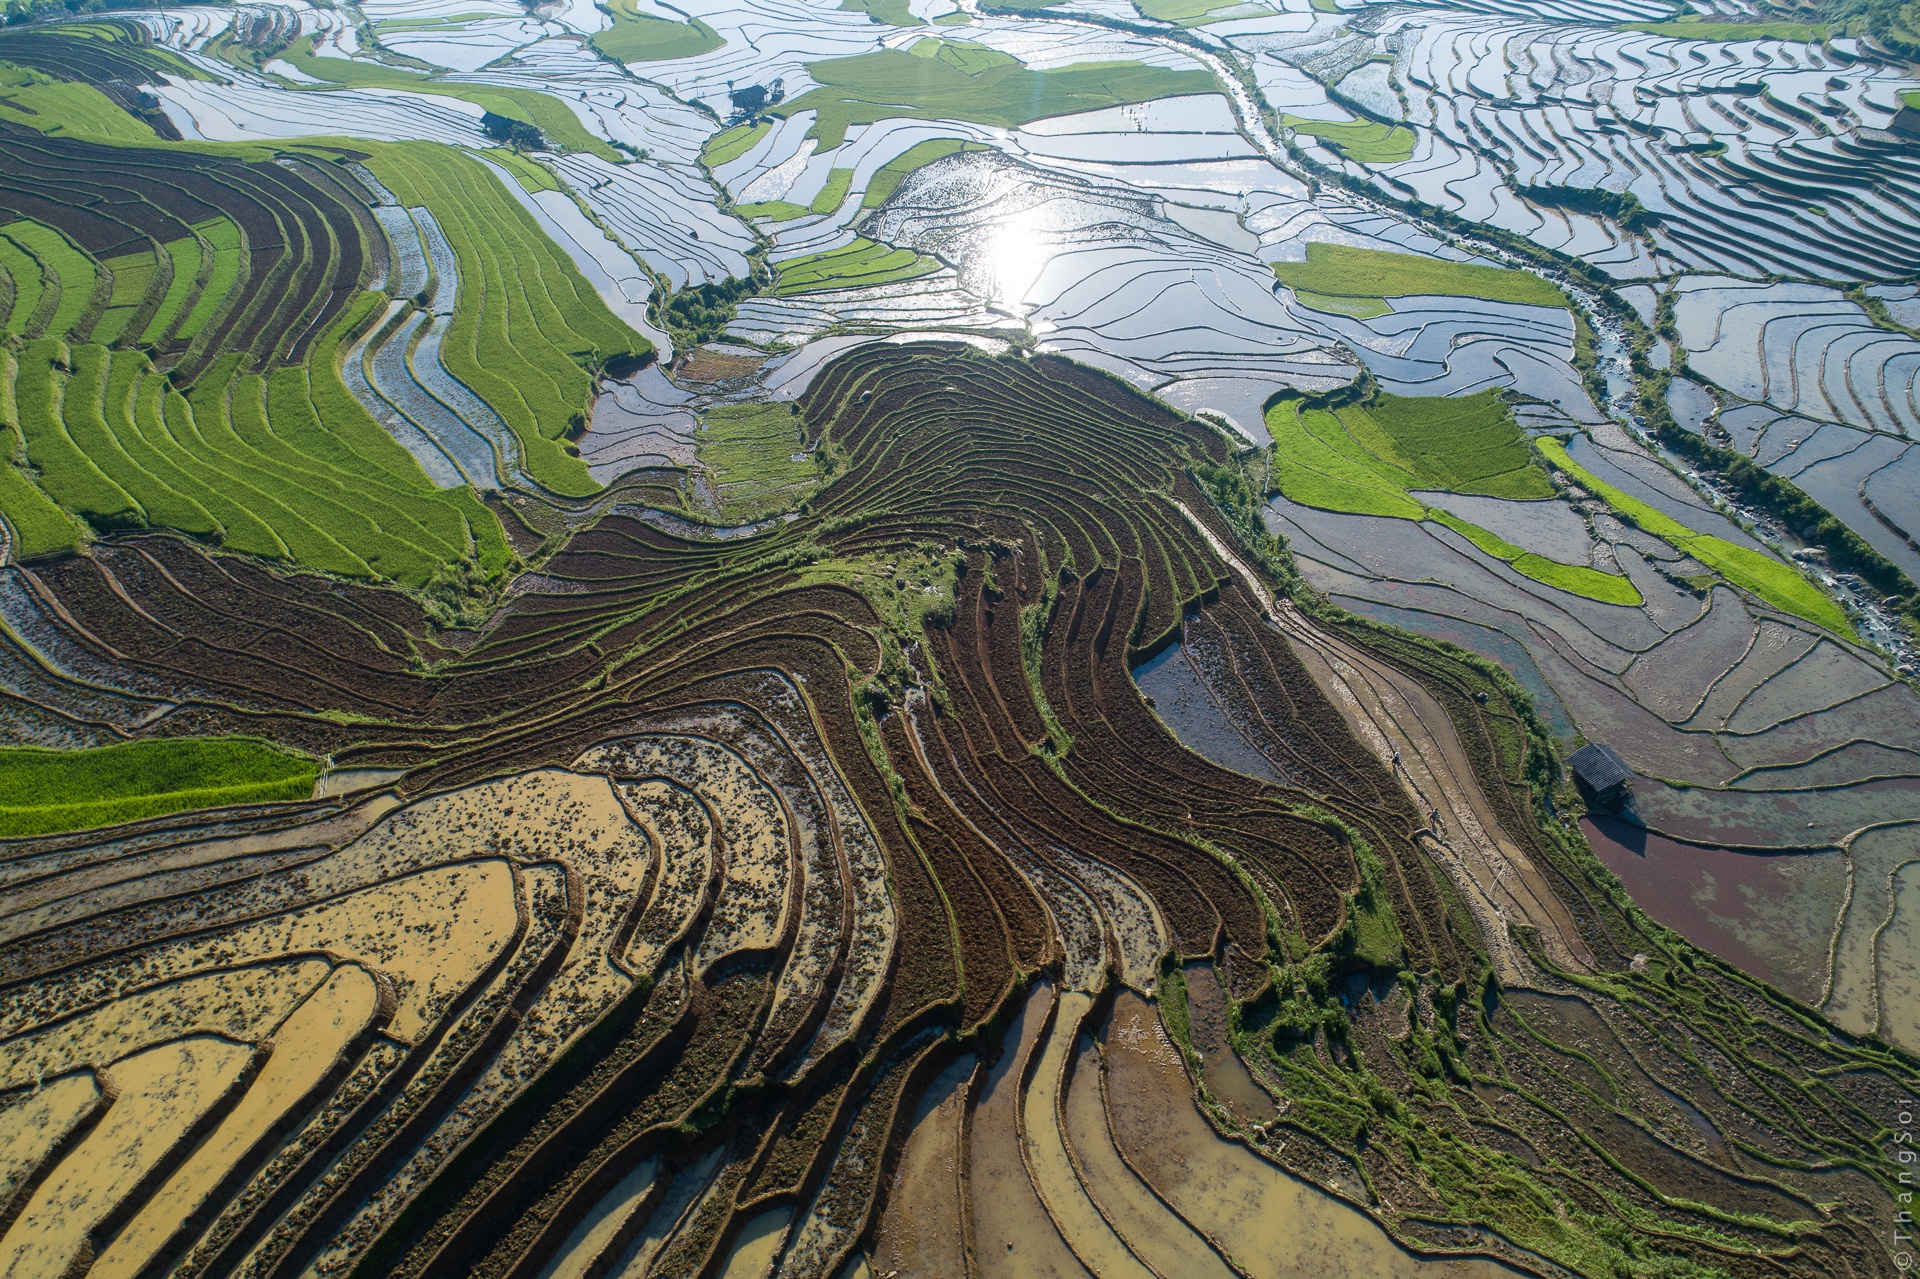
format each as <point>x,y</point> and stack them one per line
<point>767,639</point>
<point>651,841</point>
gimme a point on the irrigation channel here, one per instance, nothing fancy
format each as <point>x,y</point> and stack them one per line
<point>1612,344</point>
<point>1388,711</point>
<point>686,878</point>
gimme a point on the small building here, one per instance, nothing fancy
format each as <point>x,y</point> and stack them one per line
<point>1602,776</point>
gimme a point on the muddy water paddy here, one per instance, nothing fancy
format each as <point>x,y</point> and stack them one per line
<point>1771,914</point>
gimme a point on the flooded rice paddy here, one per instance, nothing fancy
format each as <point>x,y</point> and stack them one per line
<point>875,812</point>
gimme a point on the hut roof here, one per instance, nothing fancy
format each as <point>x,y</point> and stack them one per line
<point>1599,767</point>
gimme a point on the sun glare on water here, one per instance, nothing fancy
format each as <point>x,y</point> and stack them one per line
<point>1014,252</point>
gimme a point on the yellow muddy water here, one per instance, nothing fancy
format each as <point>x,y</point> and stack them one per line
<point>1013,1237</point>
<point>163,1093</point>
<point>1274,1225</point>
<point>582,1250</point>
<point>758,1244</point>
<point>1155,1234</point>
<point>33,1123</point>
<point>923,1231</point>
<point>306,1048</point>
<point>1087,1232</point>
<point>1225,1073</point>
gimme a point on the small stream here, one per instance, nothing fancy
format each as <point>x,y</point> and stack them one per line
<point>1612,346</point>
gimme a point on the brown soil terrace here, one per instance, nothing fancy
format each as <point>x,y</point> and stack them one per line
<point>715,928</point>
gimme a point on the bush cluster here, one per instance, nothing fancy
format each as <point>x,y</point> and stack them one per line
<point>517,134</point>
<point>702,313</point>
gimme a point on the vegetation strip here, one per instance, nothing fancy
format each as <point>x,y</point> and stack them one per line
<point>957,80</point>
<point>1363,458</point>
<point>43,792</point>
<point>1776,583</point>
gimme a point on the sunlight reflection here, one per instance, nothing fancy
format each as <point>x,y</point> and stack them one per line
<point>1014,252</point>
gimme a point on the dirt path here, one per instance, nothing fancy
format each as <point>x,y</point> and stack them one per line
<point>1400,722</point>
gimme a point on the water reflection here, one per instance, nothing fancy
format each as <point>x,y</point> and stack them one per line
<point>1013,252</point>
<point>1001,223</point>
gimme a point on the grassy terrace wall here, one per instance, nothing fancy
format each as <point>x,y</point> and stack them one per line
<point>959,80</point>
<point>530,331</point>
<point>180,344</point>
<point>1367,458</point>
<point>926,676</point>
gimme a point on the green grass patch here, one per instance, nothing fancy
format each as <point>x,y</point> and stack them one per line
<point>43,791</point>
<point>1579,579</point>
<point>1174,1008</point>
<point>834,193</point>
<point>229,252</point>
<point>773,210</point>
<point>638,37</point>
<point>755,456</point>
<point>1464,444</point>
<point>888,177</point>
<point>447,22</point>
<point>1693,27</point>
<point>1366,141</point>
<point>323,523</point>
<point>285,466</point>
<point>956,80</point>
<point>63,265</point>
<point>132,276</point>
<point>529,329</point>
<point>184,253</point>
<point>91,395</point>
<point>1359,308</point>
<point>731,144</point>
<point>37,524</point>
<point>892,13</point>
<point>1376,939</point>
<point>1317,462</point>
<point>529,106</point>
<point>1366,459</point>
<point>70,109</point>
<point>830,198</point>
<point>67,474</point>
<point>23,270</point>
<point>1187,13</point>
<point>1778,584</point>
<point>1342,271</point>
<point>530,174</point>
<point>860,263</point>
<point>907,588</point>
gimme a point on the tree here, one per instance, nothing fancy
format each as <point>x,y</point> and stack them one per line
<point>517,134</point>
